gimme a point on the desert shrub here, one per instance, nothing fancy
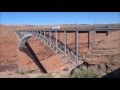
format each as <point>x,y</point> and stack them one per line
<point>45,76</point>
<point>20,72</point>
<point>30,71</point>
<point>83,74</point>
<point>25,72</point>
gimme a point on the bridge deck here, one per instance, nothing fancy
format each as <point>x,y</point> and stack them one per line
<point>72,30</point>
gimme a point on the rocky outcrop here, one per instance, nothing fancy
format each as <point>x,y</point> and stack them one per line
<point>106,55</point>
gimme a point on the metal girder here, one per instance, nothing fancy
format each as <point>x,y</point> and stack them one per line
<point>94,37</point>
<point>76,46</point>
<point>89,39</point>
<point>65,38</point>
<point>56,40</point>
<point>24,39</point>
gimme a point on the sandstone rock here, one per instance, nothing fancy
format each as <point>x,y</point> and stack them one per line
<point>83,67</point>
<point>65,69</point>
<point>108,70</point>
<point>102,67</point>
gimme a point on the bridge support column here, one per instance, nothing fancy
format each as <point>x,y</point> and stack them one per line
<point>58,35</point>
<point>76,46</point>
<point>18,41</point>
<point>37,34</point>
<point>65,39</point>
<point>47,37</point>
<point>56,40</point>
<point>107,33</point>
<point>44,36</point>
<point>44,33</point>
<point>40,34</point>
<point>88,39</point>
<point>94,37</point>
<point>50,38</point>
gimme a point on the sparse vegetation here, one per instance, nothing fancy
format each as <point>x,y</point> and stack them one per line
<point>83,74</point>
<point>45,76</point>
<point>25,72</point>
<point>20,72</point>
<point>30,71</point>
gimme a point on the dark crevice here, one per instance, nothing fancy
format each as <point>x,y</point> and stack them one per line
<point>113,74</point>
<point>28,50</point>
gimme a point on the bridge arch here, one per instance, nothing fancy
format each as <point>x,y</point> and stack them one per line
<point>28,35</point>
<point>40,35</point>
<point>24,39</point>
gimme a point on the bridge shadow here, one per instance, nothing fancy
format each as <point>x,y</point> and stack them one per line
<point>114,74</point>
<point>28,50</point>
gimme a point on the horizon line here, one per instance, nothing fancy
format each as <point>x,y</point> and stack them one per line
<point>59,24</point>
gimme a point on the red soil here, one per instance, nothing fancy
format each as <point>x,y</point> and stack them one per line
<point>11,59</point>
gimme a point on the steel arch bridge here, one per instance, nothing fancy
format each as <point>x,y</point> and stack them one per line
<point>55,44</point>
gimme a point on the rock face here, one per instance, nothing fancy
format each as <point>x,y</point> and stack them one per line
<point>106,54</point>
<point>8,48</point>
<point>11,59</point>
<point>100,70</point>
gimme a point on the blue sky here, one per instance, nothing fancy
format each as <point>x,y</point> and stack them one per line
<point>46,18</point>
